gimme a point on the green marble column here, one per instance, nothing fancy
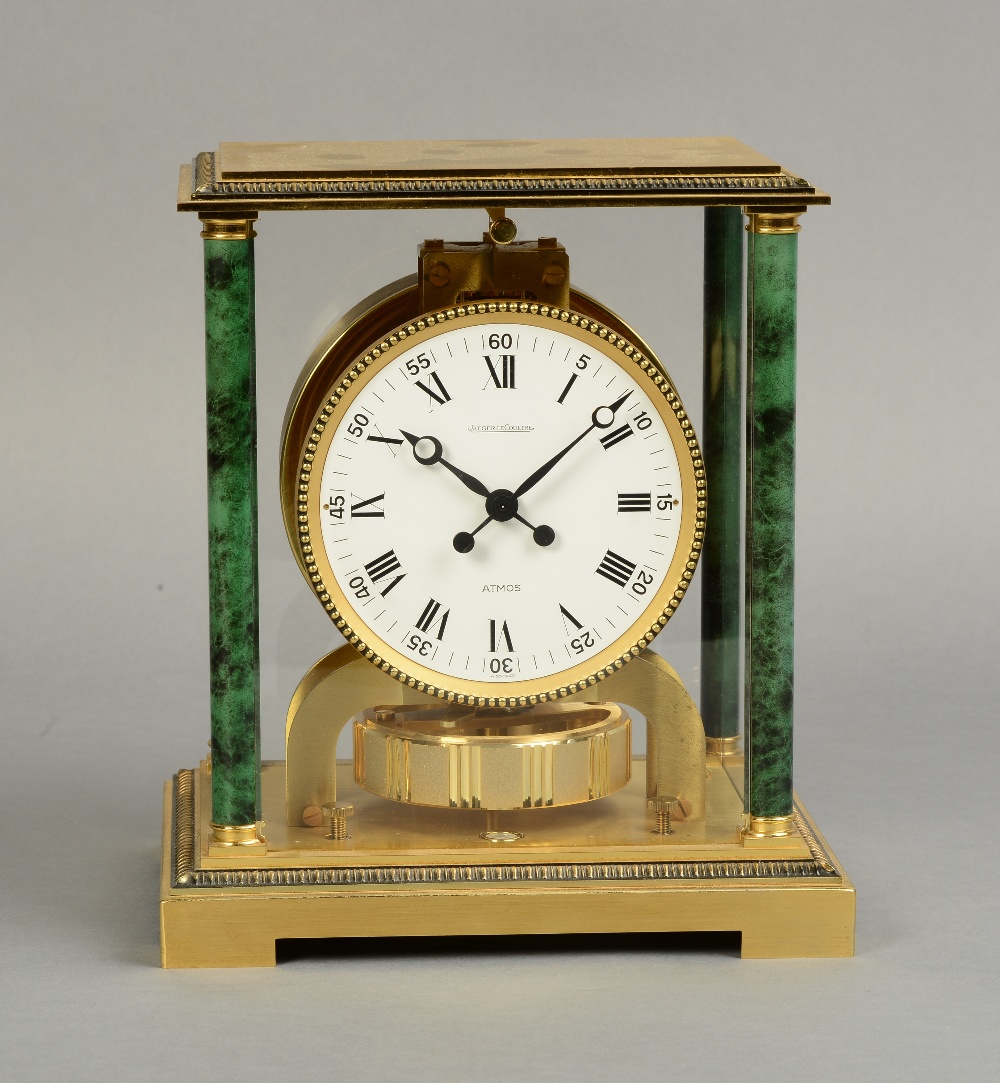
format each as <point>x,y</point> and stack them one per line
<point>770,515</point>
<point>722,446</point>
<point>232,522</point>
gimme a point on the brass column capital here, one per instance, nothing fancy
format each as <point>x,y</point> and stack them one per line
<point>215,227</point>
<point>778,220</point>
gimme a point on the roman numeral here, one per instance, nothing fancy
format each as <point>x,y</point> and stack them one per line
<point>504,375</point>
<point>500,634</point>
<point>384,439</point>
<point>616,568</point>
<point>429,618</point>
<point>616,436</point>
<point>569,619</point>
<point>565,390</point>
<point>440,395</point>
<point>357,511</point>
<point>635,501</point>
<point>382,566</point>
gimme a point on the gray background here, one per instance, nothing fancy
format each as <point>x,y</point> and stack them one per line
<point>889,106</point>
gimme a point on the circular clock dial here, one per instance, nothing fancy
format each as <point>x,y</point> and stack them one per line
<point>501,505</point>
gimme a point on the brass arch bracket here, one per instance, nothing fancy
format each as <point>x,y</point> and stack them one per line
<point>343,683</point>
<point>675,735</point>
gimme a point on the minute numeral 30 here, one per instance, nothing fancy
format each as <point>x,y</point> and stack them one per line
<point>382,567</point>
<point>500,638</point>
<point>616,568</point>
<point>438,393</point>
<point>502,373</point>
<point>635,501</point>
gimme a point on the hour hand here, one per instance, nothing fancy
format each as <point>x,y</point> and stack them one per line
<point>427,451</point>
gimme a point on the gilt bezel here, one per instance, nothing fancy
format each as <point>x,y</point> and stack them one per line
<point>572,679</point>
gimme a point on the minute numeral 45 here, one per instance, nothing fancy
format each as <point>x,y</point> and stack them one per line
<point>635,501</point>
<point>616,436</point>
<point>430,620</point>
<point>438,393</point>
<point>382,567</point>
<point>616,568</point>
<point>502,373</point>
<point>366,509</point>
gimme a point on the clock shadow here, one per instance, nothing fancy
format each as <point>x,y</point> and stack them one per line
<point>401,948</point>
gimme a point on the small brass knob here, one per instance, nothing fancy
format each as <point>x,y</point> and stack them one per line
<point>502,230</point>
<point>338,820</point>
<point>668,810</point>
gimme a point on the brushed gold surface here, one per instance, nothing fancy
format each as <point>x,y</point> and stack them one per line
<point>460,757</point>
<point>486,157</point>
<point>779,915</point>
<point>480,173</point>
<point>389,835</point>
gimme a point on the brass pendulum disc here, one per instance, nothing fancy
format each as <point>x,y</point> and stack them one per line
<point>493,758</point>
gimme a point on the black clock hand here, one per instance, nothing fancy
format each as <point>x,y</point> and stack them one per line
<point>601,418</point>
<point>464,542</point>
<point>466,479</point>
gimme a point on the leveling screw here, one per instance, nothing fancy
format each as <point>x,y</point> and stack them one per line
<point>338,820</point>
<point>666,809</point>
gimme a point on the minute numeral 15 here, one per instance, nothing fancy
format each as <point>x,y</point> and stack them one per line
<point>502,373</point>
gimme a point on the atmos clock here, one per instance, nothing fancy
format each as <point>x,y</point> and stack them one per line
<point>494,490</point>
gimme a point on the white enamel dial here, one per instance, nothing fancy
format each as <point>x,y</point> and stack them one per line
<point>497,504</point>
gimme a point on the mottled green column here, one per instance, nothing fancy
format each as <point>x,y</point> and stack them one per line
<point>722,446</point>
<point>770,515</point>
<point>232,523</point>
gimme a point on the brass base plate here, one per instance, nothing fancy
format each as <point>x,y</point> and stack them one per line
<point>429,872</point>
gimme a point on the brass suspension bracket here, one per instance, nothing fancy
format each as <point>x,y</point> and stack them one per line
<point>455,272</point>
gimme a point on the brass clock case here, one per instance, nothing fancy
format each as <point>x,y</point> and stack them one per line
<point>328,389</point>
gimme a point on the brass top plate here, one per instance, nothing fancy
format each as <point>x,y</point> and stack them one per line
<point>487,157</point>
<point>718,171</point>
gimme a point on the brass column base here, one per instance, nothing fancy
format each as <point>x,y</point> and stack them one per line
<point>597,868</point>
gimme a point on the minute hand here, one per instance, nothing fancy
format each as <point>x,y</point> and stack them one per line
<point>465,478</point>
<point>600,419</point>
